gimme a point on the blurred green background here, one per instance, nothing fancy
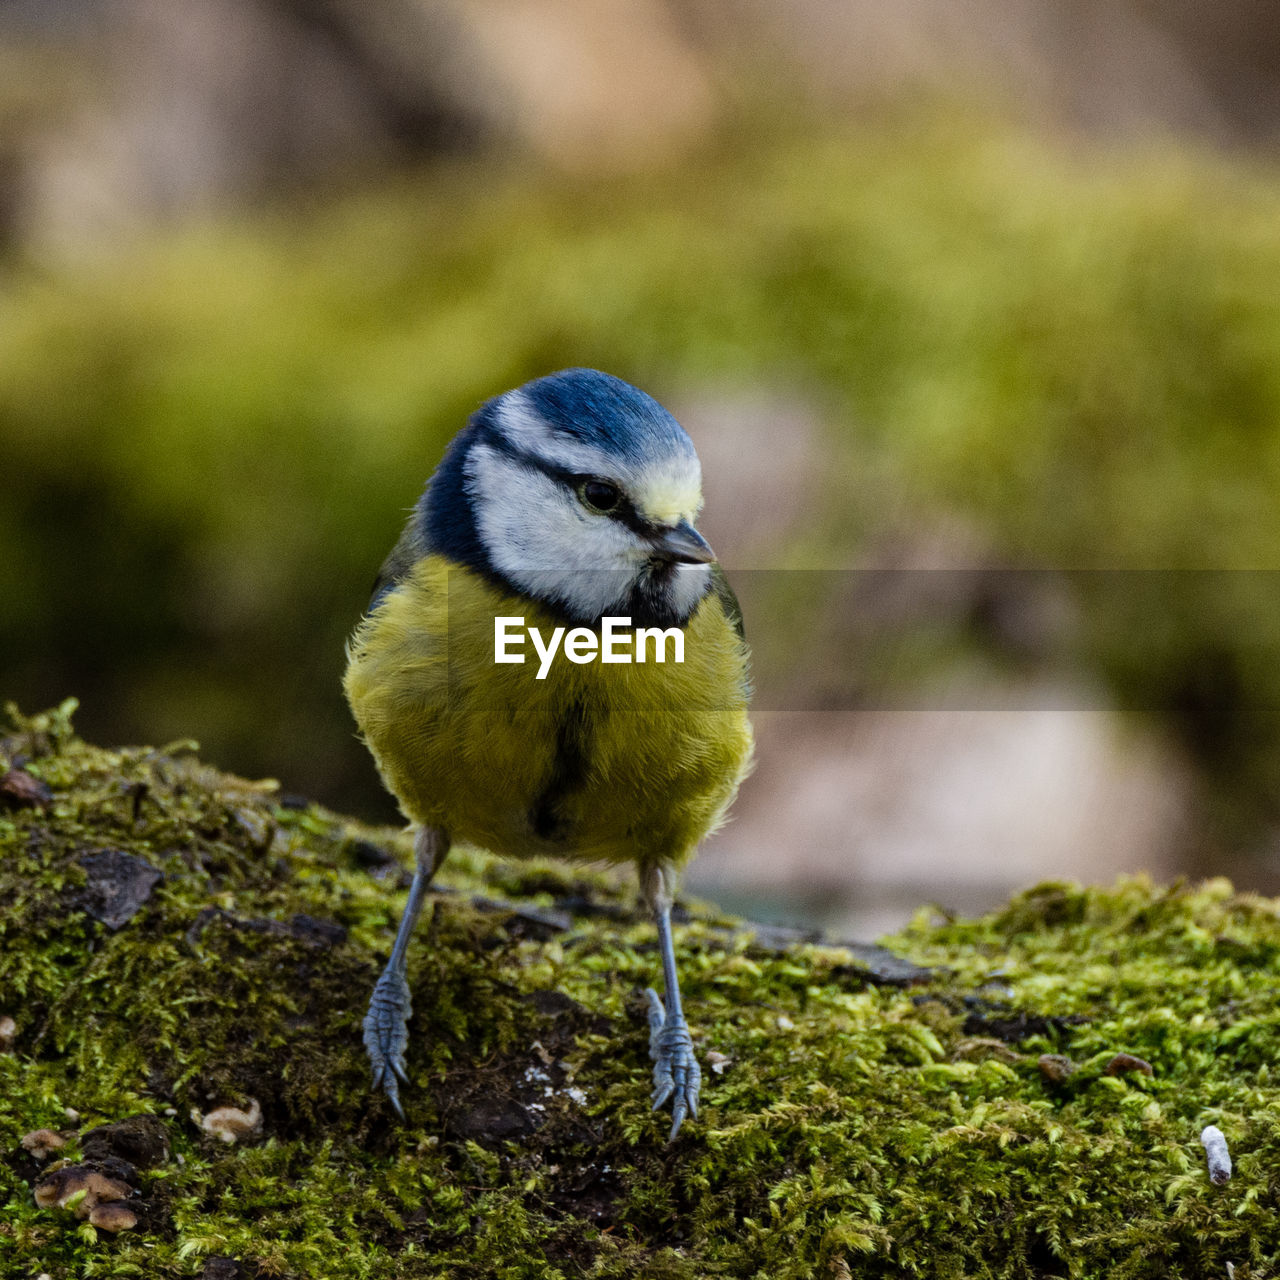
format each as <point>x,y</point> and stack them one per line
<point>960,303</point>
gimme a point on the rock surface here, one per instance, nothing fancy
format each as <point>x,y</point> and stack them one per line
<point>860,1117</point>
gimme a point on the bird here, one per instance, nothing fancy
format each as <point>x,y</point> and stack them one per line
<point>569,502</point>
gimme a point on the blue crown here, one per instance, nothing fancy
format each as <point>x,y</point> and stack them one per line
<point>597,408</point>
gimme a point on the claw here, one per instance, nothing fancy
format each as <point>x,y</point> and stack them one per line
<point>390,1088</point>
<point>386,1035</point>
<point>676,1074</point>
<point>678,1112</point>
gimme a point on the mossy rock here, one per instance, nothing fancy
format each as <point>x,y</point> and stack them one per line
<point>177,941</point>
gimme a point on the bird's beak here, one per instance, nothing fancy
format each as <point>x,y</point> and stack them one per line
<point>684,544</point>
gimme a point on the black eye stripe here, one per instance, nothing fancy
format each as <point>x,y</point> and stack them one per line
<point>574,479</point>
<point>623,510</point>
<point>624,513</point>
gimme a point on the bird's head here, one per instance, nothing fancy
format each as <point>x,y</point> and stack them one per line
<point>581,491</point>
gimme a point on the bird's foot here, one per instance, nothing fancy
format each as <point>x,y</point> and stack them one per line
<point>676,1074</point>
<point>386,1034</point>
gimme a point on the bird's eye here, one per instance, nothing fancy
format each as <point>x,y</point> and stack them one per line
<point>599,495</point>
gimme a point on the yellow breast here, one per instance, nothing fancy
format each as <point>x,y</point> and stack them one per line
<point>621,761</point>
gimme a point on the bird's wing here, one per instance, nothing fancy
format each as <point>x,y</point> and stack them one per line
<point>728,601</point>
<point>404,555</point>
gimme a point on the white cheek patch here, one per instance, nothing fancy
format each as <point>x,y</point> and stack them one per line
<point>690,584</point>
<point>542,540</point>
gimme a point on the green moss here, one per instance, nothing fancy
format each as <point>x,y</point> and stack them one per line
<point>857,1129</point>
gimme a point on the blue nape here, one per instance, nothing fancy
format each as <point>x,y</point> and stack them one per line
<point>446,520</point>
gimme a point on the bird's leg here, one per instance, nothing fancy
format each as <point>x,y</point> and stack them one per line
<point>676,1074</point>
<point>386,1025</point>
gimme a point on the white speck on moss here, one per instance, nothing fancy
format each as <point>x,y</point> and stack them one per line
<point>231,1124</point>
<point>1215,1148</point>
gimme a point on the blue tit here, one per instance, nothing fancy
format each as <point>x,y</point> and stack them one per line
<point>566,503</point>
